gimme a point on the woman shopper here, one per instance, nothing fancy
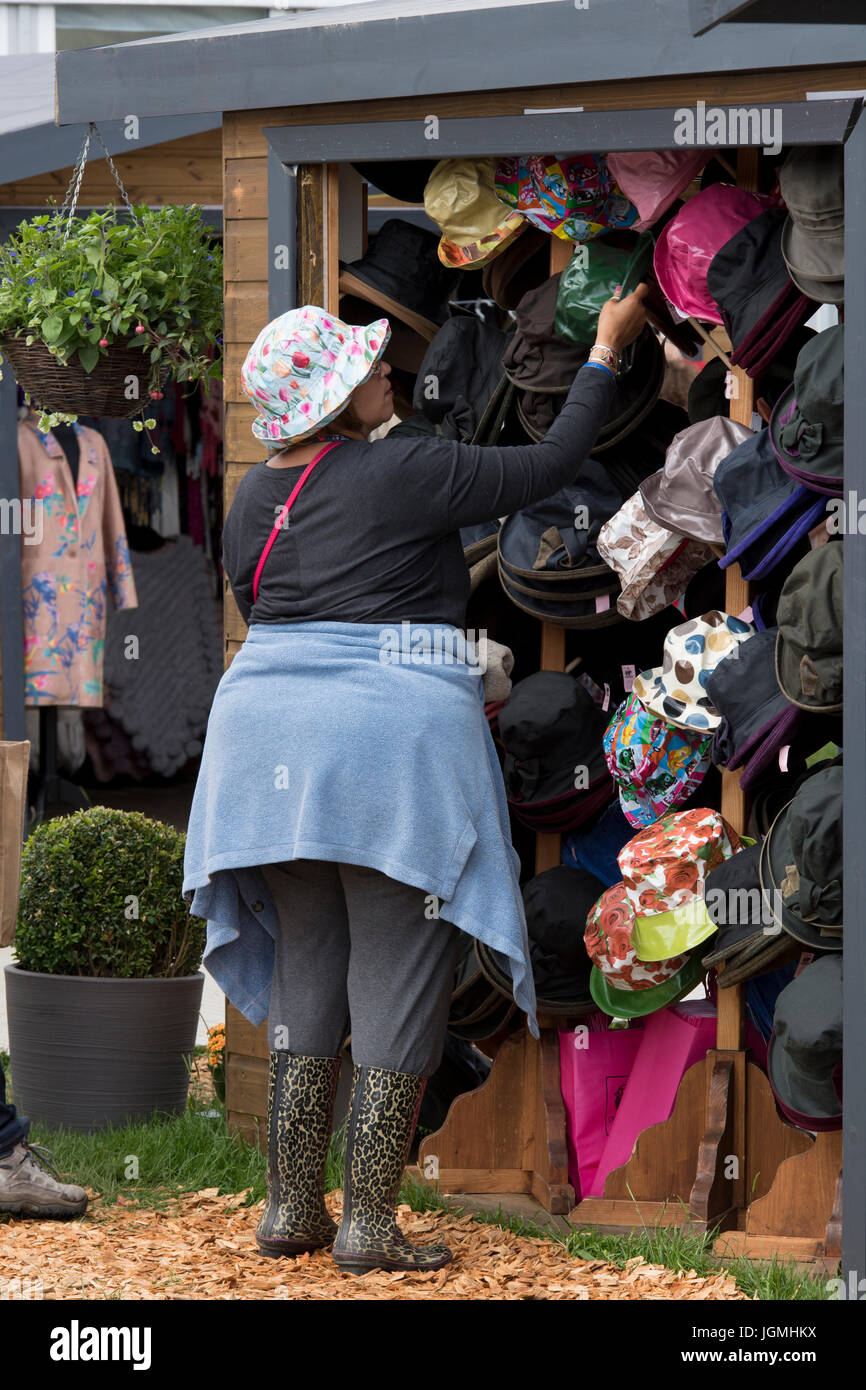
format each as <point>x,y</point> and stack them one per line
<point>350,813</point>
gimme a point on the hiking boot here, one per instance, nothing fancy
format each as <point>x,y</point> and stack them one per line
<point>301,1093</point>
<point>382,1118</point>
<point>30,1185</point>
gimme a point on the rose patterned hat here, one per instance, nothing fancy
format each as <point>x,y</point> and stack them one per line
<point>622,984</point>
<point>664,869</point>
<point>302,369</point>
<point>677,690</point>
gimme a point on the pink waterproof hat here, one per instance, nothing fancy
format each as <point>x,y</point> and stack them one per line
<point>652,179</point>
<point>688,243</point>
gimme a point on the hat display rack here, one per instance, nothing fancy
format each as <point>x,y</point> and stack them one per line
<point>509,1136</point>
<point>721,1100</point>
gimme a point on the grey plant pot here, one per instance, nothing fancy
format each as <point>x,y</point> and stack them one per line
<point>86,1053</point>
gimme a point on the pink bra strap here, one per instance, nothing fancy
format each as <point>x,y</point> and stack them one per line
<point>287,506</point>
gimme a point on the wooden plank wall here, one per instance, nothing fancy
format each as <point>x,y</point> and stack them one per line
<point>246,312</point>
<point>188,170</point>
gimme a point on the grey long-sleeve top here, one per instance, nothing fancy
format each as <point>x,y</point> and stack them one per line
<point>374,533</point>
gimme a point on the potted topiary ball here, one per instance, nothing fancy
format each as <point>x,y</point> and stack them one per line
<point>103,1002</point>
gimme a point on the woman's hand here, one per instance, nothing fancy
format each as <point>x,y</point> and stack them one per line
<point>621,320</point>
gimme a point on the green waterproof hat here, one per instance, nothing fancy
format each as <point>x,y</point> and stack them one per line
<point>636,1003</point>
<point>809,641</point>
<point>801,860</point>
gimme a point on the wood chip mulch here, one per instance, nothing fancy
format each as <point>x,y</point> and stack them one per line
<point>203,1247</point>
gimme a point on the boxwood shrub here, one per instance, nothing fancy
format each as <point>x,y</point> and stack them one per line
<point>101,896</point>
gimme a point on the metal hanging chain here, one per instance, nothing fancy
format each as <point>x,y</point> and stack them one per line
<point>70,201</point>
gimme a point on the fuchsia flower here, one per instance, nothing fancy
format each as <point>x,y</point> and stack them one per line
<point>103,342</point>
<point>139,328</point>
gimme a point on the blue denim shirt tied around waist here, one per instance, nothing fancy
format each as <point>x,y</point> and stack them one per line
<point>359,743</point>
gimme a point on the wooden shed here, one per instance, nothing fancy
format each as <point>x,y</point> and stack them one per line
<point>437,79</point>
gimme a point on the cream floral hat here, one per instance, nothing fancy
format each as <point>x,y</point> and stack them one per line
<point>302,369</point>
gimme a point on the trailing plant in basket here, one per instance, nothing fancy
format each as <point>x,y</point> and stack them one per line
<point>101,896</point>
<point>83,286</point>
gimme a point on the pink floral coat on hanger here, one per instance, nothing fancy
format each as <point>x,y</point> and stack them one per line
<point>67,573</point>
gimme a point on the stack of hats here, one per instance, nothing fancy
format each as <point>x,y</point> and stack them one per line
<point>477,1009</point>
<point>680,495</point>
<point>766,687</point>
<point>654,179</point>
<point>677,690</point>
<point>801,862</point>
<point>459,197</point>
<point>575,198</point>
<point>555,772</point>
<point>809,641</point>
<point>757,718</point>
<point>765,514</point>
<point>804,1061</point>
<point>549,561</point>
<point>759,303</point>
<point>807,424</point>
<point>689,242</point>
<point>643,933</point>
<point>784,893</point>
<point>557,904</point>
<point>813,239</point>
<point>654,564</point>
<point>656,765</point>
<point>542,366</point>
<point>748,941</point>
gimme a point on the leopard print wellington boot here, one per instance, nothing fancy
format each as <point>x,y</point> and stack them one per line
<point>301,1092</point>
<point>382,1118</point>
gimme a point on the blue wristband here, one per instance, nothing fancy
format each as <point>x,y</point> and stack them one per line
<point>603,365</point>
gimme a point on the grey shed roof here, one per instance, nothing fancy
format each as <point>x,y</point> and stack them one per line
<point>428,47</point>
<point>31,143</point>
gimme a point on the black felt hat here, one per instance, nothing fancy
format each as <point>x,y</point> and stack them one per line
<point>557,902</point>
<point>403,179</point>
<point>401,273</point>
<point>801,862</point>
<point>805,1051</point>
<point>759,302</point>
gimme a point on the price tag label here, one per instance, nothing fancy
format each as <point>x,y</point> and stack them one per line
<point>602,603</point>
<point>628,675</point>
<point>606,701</point>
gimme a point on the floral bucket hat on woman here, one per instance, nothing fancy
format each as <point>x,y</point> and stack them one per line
<point>302,369</point>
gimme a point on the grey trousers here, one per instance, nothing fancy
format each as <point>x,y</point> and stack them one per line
<point>357,949</point>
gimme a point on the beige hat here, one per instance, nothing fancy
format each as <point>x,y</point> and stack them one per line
<point>475,225</point>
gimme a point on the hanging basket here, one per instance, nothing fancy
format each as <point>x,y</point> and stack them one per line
<point>73,391</point>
